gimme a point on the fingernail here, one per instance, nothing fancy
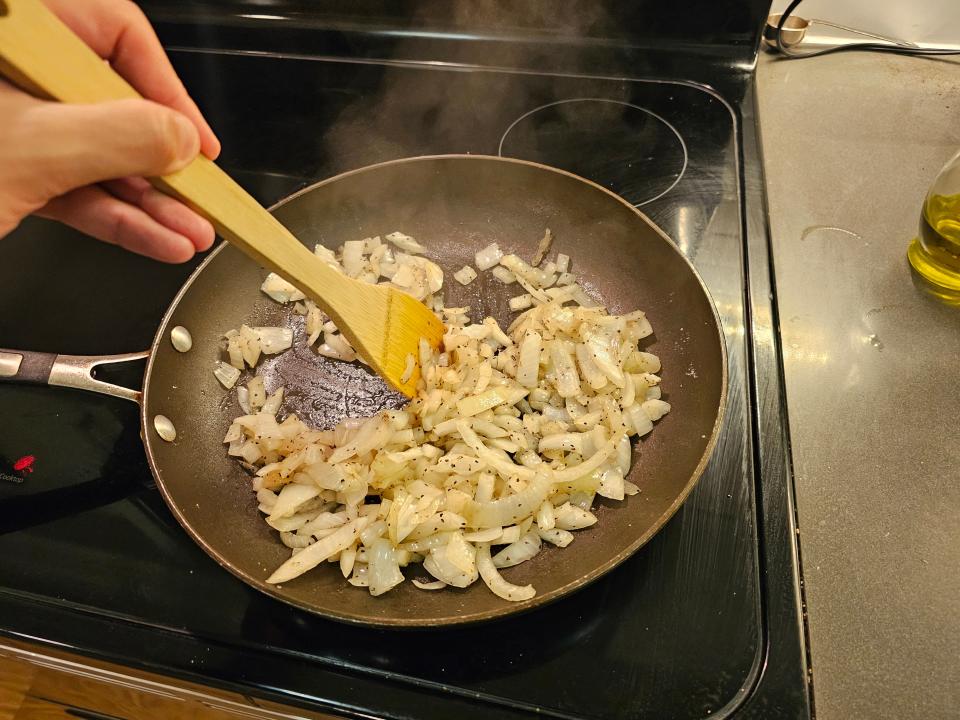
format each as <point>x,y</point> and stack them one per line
<point>187,137</point>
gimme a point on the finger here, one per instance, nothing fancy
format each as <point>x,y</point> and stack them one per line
<point>166,210</point>
<point>96,212</point>
<point>85,144</point>
<point>120,32</point>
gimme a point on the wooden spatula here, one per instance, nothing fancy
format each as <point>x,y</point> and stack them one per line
<point>42,55</point>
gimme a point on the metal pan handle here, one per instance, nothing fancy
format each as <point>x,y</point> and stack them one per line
<point>72,371</point>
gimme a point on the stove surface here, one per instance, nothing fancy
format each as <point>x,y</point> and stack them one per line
<point>677,631</point>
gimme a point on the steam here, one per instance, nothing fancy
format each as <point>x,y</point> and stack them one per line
<point>417,111</point>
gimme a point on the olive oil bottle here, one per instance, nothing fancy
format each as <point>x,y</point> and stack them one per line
<point>935,253</point>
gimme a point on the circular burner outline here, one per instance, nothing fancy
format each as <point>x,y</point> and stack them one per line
<point>679,137</point>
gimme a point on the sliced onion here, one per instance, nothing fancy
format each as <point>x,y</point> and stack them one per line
<point>460,553</point>
<point>291,498</point>
<point>655,409</point>
<point>348,557</point>
<point>638,420</point>
<point>524,549</point>
<point>571,517</point>
<point>462,464</point>
<point>528,365</point>
<point>435,585</point>
<point>500,587</point>
<point>383,570</point>
<point>489,535</point>
<point>556,536</point>
<point>545,516</point>
<point>508,510</point>
<point>318,552</point>
<point>611,483</point>
<point>436,564</point>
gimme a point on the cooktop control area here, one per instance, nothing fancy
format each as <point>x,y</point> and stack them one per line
<point>676,631</point>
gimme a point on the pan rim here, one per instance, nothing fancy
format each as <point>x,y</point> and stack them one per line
<point>507,609</point>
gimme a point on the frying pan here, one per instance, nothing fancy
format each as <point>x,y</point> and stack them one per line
<point>454,205</point>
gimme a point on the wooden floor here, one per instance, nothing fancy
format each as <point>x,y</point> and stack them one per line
<point>26,690</point>
<point>15,703</point>
<point>92,689</point>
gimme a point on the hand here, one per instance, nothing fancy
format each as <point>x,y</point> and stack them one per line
<point>84,164</point>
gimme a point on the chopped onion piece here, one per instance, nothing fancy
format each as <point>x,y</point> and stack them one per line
<point>488,257</point>
<point>272,403</point>
<point>520,302</point>
<point>243,399</point>
<point>256,393</point>
<point>504,275</point>
<point>353,257</point>
<point>226,374</point>
<point>542,247</point>
<point>408,369</point>
<point>280,290</point>
<point>465,275</point>
<point>405,243</point>
<point>274,340</point>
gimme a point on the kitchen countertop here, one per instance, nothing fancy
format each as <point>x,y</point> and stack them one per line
<point>851,143</point>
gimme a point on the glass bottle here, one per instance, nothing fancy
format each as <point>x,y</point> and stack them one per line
<point>935,253</point>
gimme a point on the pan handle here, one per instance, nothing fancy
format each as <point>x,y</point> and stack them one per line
<point>72,371</point>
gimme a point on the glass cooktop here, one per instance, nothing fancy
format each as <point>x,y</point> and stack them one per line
<point>677,631</point>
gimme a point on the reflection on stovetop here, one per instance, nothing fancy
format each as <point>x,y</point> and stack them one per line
<point>675,631</point>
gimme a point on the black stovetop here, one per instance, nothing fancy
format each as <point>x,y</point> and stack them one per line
<point>93,560</point>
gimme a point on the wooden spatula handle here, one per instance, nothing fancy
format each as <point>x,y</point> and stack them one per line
<point>43,56</point>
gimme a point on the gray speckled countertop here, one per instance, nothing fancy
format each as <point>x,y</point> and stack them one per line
<point>851,143</point>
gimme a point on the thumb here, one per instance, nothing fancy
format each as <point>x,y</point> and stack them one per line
<point>84,144</point>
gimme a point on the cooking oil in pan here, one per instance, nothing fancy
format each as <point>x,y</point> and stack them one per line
<point>935,254</point>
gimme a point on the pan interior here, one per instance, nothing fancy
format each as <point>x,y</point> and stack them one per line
<point>454,205</point>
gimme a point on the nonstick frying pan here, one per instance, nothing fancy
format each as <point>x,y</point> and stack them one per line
<point>454,205</point>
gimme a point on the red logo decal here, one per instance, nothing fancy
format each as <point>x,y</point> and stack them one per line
<point>24,464</point>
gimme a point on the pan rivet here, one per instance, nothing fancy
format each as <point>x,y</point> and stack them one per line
<point>164,428</point>
<point>180,339</point>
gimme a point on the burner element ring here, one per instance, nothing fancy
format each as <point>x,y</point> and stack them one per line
<point>625,147</point>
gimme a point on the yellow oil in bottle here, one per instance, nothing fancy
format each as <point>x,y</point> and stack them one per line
<point>935,254</point>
